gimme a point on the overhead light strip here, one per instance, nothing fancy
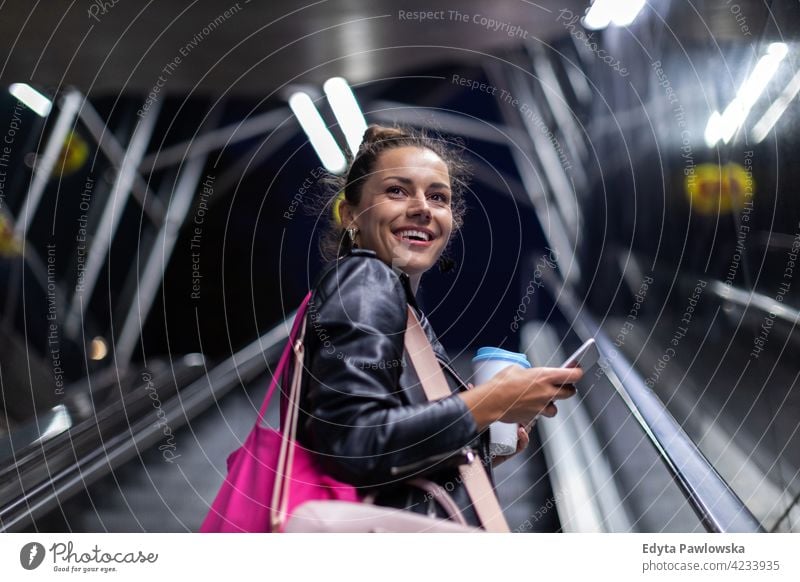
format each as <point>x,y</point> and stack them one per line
<point>32,99</point>
<point>321,139</point>
<point>602,13</point>
<point>724,127</point>
<point>771,116</point>
<point>347,112</point>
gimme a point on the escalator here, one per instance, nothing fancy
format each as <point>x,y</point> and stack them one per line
<point>689,423</point>
<point>132,424</point>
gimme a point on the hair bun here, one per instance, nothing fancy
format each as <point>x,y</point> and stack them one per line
<point>377,133</point>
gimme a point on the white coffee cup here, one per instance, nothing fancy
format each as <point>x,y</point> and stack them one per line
<point>486,363</point>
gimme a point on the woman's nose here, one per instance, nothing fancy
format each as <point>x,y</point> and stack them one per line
<point>418,206</point>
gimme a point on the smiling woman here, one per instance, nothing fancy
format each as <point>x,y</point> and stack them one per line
<point>363,409</point>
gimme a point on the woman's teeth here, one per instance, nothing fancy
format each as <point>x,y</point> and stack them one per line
<point>414,235</point>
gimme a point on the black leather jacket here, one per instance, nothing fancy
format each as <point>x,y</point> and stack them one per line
<point>362,407</point>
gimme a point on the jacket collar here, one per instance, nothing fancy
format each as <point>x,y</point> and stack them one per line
<point>405,280</point>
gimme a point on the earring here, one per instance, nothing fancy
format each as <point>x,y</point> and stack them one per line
<point>352,232</point>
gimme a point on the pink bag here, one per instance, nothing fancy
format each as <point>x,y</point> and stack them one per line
<point>248,500</point>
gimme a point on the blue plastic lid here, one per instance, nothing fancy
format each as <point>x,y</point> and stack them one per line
<point>490,353</point>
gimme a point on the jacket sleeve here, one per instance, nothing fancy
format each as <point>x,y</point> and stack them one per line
<point>365,434</point>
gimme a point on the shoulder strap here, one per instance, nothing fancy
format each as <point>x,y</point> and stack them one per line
<point>430,375</point>
<point>298,331</point>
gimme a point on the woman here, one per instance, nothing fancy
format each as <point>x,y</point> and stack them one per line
<point>363,410</point>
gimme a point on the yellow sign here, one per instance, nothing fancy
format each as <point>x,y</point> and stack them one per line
<point>716,189</point>
<point>9,245</point>
<point>73,155</point>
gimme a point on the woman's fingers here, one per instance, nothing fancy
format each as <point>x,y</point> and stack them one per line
<point>550,410</point>
<point>562,379</point>
<point>563,376</point>
<point>523,394</point>
<point>564,392</point>
<point>522,438</point>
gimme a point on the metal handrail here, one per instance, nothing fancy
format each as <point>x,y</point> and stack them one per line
<point>709,495</point>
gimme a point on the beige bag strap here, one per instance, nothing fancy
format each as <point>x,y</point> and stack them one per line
<point>280,493</point>
<point>435,385</point>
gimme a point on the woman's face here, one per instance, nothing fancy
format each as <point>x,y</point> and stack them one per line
<point>404,214</point>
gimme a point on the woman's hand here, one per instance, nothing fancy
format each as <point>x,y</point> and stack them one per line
<point>523,438</point>
<point>517,394</point>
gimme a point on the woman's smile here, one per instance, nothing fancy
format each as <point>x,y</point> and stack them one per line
<point>415,236</point>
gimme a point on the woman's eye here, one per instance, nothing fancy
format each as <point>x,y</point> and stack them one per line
<point>439,197</point>
<point>395,190</point>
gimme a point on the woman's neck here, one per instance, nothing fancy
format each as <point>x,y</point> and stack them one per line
<point>414,281</point>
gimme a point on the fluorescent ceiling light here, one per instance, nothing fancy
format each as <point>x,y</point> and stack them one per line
<point>625,11</point>
<point>321,139</point>
<point>771,116</point>
<point>599,15</point>
<point>31,98</point>
<point>724,127</point>
<point>713,129</point>
<point>347,112</point>
<point>764,70</point>
<point>619,12</point>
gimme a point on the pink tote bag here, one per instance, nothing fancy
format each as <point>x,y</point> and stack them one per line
<point>270,474</point>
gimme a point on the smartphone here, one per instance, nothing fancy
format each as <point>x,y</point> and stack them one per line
<point>584,357</point>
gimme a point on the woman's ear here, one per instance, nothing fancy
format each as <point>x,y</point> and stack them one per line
<point>346,214</point>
